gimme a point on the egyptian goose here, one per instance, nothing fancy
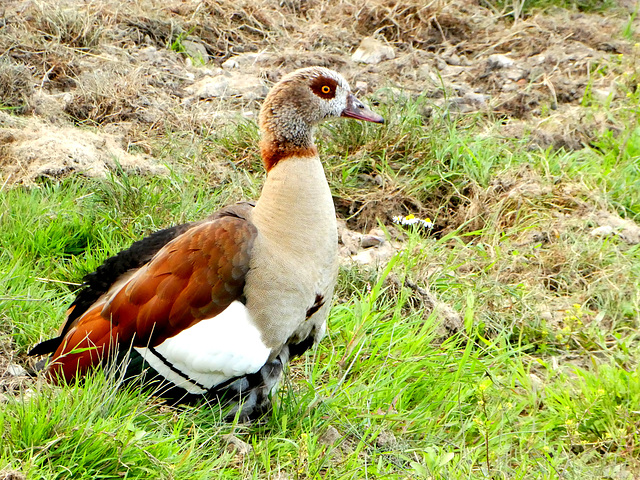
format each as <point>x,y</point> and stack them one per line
<point>218,307</point>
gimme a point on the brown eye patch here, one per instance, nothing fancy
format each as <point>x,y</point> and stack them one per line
<point>324,87</point>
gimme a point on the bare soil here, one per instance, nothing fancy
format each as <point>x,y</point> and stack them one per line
<point>128,73</point>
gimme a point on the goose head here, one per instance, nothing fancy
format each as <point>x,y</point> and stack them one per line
<point>299,102</point>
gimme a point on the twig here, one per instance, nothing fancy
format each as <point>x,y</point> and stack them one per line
<point>51,280</point>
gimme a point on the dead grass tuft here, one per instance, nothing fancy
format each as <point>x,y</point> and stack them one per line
<point>39,151</point>
<point>413,23</point>
<point>65,23</point>
<point>364,208</point>
<point>16,86</point>
<point>106,96</point>
<point>513,200</point>
<point>569,128</point>
<point>242,26</point>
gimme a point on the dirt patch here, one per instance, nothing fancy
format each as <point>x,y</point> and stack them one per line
<point>11,475</point>
<point>38,150</point>
<point>149,67</point>
<point>569,127</point>
<point>14,380</point>
<point>612,225</point>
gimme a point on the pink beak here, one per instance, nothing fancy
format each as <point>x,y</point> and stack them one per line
<point>356,109</point>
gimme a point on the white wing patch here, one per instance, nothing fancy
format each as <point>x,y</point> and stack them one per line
<point>212,351</point>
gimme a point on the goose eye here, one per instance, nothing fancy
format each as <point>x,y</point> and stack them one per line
<point>324,87</point>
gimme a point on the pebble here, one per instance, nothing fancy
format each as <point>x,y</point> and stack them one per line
<point>367,241</point>
<point>16,370</point>
<point>373,51</point>
<point>603,231</point>
<point>236,445</point>
<point>330,437</point>
<point>499,61</point>
<point>249,87</point>
<point>246,60</point>
<point>196,50</point>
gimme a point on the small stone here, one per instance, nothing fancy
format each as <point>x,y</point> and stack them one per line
<point>516,75</point>
<point>603,231</point>
<point>209,87</point>
<point>282,476</point>
<point>16,370</point>
<point>246,60</point>
<point>375,256</point>
<point>149,54</point>
<point>330,437</point>
<point>196,50</point>
<point>211,72</point>
<point>626,229</point>
<point>546,315</point>
<point>372,51</point>
<point>427,72</point>
<point>509,86</point>
<point>362,87</point>
<point>499,61</point>
<point>617,472</point>
<point>603,95</point>
<point>11,475</point>
<point>441,65</point>
<point>230,64</point>
<point>469,102</point>
<point>453,59</point>
<point>27,395</point>
<point>248,87</point>
<point>536,383</point>
<point>477,98</point>
<point>350,239</point>
<point>386,440</point>
<point>367,241</point>
<point>234,444</point>
<point>536,60</point>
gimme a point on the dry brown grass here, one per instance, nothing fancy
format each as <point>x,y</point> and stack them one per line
<point>121,65</point>
<point>51,36</point>
<point>64,23</point>
<point>107,96</point>
<point>16,85</point>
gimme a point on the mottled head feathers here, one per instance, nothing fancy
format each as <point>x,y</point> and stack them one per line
<point>296,104</point>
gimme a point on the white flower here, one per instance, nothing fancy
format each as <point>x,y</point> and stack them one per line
<point>411,219</point>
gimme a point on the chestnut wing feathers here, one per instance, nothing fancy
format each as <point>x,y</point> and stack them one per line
<point>193,277</point>
<point>138,254</point>
<point>196,276</point>
<point>98,283</point>
<point>155,289</point>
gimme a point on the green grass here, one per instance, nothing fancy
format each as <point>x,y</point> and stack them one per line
<point>517,7</point>
<point>541,382</point>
